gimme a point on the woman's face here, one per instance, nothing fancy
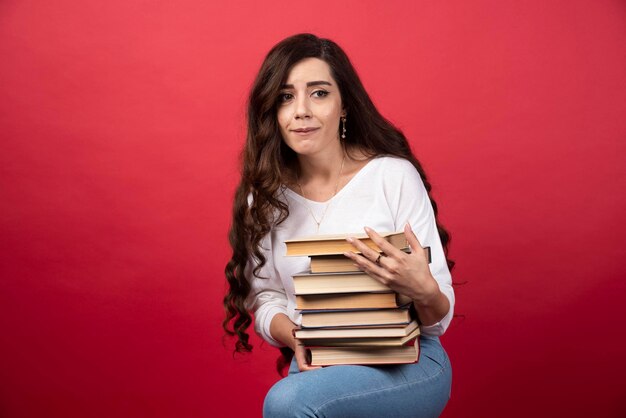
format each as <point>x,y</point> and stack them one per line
<point>310,108</point>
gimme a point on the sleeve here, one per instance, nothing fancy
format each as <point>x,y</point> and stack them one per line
<point>267,295</point>
<point>410,203</point>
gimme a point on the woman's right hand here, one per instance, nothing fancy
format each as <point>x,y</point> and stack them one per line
<point>283,330</point>
<point>302,357</point>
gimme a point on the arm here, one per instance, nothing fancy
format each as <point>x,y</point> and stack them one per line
<point>267,297</point>
<point>268,301</point>
<point>429,285</point>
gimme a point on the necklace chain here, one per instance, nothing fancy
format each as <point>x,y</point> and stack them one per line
<point>318,223</point>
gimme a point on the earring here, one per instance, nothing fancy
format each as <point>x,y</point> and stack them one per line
<point>343,129</point>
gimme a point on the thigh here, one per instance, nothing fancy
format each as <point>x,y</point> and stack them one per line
<point>410,390</point>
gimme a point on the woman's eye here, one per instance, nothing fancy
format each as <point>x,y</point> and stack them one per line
<point>320,93</point>
<point>285,97</point>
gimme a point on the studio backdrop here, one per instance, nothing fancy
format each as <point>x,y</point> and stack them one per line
<point>121,123</point>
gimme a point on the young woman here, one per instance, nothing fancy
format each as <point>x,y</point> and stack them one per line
<point>320,159</point>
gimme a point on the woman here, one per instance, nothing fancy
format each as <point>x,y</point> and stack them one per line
<point>320,159</point>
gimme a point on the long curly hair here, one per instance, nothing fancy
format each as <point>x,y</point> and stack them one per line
<point>267,162</point>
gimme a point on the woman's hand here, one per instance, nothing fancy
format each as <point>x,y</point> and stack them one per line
<point>302,357</point>
<point>283,330</point>
<point>407,274</point>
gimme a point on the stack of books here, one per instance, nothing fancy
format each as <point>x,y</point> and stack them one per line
<point>349,317</point>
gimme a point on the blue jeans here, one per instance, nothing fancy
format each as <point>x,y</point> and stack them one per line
<point>420,389</point>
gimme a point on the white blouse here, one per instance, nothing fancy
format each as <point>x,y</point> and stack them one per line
<point>384,195</point>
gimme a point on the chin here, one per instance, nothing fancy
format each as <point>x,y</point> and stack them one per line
<point>304,151</point>
<point>301,147</point>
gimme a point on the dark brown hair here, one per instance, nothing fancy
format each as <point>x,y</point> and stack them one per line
<point>267,161</point>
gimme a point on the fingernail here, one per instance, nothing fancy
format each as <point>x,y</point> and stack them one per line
<point>350,239</point>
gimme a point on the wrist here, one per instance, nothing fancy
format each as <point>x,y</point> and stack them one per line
<point>429,296</point>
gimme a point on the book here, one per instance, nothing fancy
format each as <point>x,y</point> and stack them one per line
<point>337,263</point>
<point>334,263</point>
<point>337,244</point>
<point>351,301</point>
<point>356,318</point>
<point>364,332</point>
<point>349,317</point>
<point>330,356</point>
<point>363,341</point>
<point>307,283</point>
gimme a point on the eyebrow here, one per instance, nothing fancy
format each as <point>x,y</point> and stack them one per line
<point>309,84</point>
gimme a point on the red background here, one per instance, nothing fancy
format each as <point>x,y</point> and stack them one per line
<point>121,122</point>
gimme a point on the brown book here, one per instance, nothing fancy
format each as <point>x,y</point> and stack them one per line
<point>363,342</point>
<point>351,301</point>
<point>356,318</point>
<point>364,332</point>
<point>338,263</point>
<point>335,263</point>
<point>337,244</point>
<point>329,356</point>
<point>321,283</point>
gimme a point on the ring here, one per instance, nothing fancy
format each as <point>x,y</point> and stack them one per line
<point>378,259</point>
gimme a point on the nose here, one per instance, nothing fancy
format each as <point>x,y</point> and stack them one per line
<point>302,109</point>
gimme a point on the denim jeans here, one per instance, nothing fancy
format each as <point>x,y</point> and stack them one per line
<point>420,389</point>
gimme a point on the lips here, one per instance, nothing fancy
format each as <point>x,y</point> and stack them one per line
<point>304,130</point>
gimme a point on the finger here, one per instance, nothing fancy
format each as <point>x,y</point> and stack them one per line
<point>301,364</point>
<point>374,270</point>
<point>411,238</point>
<point>384,245</point>
<point>366,261</point>
<point>367,252</point>
<point>301,359</point>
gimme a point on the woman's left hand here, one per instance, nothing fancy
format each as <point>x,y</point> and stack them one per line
<point>407,274</point>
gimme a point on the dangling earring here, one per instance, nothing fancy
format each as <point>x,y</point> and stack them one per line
<point>343,128</point>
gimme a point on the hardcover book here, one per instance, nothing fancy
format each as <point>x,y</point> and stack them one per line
<point>307,283</point>
<point>329,356</point>
<point>351,301</point>
<point>337,244</point>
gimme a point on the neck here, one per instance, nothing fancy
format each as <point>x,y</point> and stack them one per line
<point>322,166</point>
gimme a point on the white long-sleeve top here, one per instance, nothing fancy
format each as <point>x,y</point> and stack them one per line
<point>384,195</point>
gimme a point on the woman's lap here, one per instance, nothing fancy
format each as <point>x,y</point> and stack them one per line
<point>421,389</point>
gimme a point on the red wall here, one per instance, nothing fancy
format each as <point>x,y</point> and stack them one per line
<point>120,125</point>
